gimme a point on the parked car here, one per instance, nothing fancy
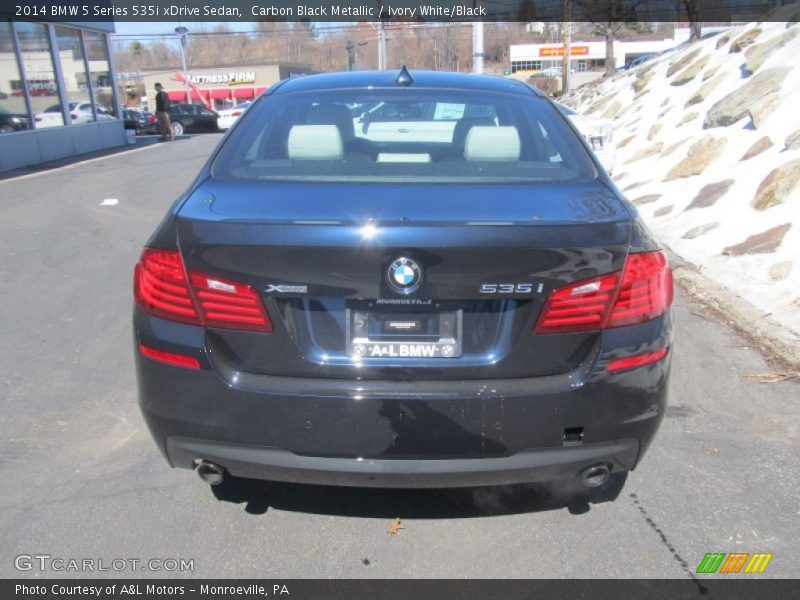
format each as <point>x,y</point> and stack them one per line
<point>149,123</point>
<point>598,132</point>
<point>323,308</point>
<point>640,60</point>
<point>554,71</point>
<point>142,122</point>
<point>131,119</point>
<point>11,122</point>
<point>192,118</point>
<point>229,116</point>
<point>79,112</point>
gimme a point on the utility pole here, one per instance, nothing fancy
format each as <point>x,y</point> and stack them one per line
<point>477,43</point>
<point>566,31</point>
<point>183,32</point>
<point>382,48</point>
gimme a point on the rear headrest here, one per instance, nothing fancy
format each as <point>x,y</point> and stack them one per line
<point>462,128</point>
<point>492,144</point>
<point>333,114</point>
<point>315,142</point>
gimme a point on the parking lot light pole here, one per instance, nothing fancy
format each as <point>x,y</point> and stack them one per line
<point>183,32</point>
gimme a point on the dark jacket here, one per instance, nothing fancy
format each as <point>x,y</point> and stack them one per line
<point>162,101</point>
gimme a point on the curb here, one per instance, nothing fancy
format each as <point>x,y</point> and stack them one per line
<point>775,340</point>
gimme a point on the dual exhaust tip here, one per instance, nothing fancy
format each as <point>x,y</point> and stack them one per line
<point>590,477</point>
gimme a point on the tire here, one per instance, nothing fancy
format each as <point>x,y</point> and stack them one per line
<point>177,128</point>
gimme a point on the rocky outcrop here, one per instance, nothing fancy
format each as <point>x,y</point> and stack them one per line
<point>626,141</point>
<point>710,73</point>
<point>744,40</point>
<point>640,83</point>
<point>690,116</point>
<point>612,109</point>
<point>780,270</point>
<point>674,147</point>
<point>646,199</point>
<point>756,55</point>
<point>741,102</point>
<point>634,185</point>
<point>690,72</point>
<point>705,89</point>
<point>645,152</point>
<point>792,141</point>
<point>700,155</point>
<point>664,210</point>
<point>762,109</point>
<point>760,243</point>
<point>683,61</point>
<point>777,186</point>
<point>763,144</point>
<point>599,104</point>
<point>709,194</point>
<point>696,232</point>
<point>654,129</point>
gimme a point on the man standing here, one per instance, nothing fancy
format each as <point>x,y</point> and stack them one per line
<point>162,114</point>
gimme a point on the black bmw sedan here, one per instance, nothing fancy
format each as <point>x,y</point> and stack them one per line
<point>192,118</point>
<point>403,280</point>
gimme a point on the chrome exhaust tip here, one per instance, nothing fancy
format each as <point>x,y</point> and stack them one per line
<point>595,475</point>
<point>209,472</point>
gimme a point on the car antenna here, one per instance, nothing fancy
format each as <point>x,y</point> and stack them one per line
<point>404,78</point>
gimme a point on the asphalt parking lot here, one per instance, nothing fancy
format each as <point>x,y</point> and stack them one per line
<point>81,477</point>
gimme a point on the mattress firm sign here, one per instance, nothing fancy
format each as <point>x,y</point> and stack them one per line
<point>232,78</point>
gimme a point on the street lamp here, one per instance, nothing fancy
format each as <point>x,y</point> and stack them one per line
<point>183,32</point>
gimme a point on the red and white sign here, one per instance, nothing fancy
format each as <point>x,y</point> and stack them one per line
<point>559,51</point>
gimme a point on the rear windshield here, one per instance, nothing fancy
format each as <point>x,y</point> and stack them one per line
<point>403,135</point>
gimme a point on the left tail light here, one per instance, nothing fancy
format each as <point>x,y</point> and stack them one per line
<point>163,287</point>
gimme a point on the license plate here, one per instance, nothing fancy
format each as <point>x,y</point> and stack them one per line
<point>377,332</point>
<point>396,350</point>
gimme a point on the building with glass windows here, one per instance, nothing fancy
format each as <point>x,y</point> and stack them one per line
<point>57,91</point>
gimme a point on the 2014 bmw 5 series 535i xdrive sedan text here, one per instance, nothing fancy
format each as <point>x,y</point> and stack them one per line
<point>403,280</point>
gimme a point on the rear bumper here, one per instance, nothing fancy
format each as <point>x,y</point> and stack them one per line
<point>275,464</point>
<point>402,432</point>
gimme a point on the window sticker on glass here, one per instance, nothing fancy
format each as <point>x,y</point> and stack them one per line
<point>448,112</point>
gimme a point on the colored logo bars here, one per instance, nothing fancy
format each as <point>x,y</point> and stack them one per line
<point>736,562</point>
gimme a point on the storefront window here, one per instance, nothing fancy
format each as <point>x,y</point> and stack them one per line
<point>13,111</point>
<point>100,73</point>
<point>37,62</point>
<point>73,69</point>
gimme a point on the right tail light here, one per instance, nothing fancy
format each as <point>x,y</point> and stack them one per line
<point>643,291</point>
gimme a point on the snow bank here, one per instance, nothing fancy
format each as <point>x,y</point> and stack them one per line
<point>743,230</point>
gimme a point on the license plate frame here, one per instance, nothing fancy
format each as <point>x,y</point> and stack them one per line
<point>446,344</point>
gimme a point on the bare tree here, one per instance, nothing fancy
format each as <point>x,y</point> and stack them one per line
<point>693,8</point>
<point>608,18</point>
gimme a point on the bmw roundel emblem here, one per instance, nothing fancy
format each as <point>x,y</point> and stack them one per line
<point>404,275</point>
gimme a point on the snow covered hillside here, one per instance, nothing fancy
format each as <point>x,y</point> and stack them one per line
<point>708,139</point>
